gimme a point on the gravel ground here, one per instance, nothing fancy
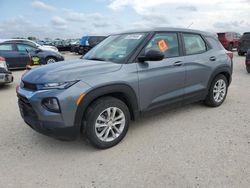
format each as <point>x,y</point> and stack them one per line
<point>192,146</point>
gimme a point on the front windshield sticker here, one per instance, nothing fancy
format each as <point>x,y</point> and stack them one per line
<point>162,45</point>
<point>133,37</point>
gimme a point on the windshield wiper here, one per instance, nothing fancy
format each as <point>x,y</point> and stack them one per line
<point>97,59</point>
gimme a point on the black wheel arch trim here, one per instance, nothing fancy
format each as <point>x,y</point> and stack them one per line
<point>220,70</point>
<point>96,93</point>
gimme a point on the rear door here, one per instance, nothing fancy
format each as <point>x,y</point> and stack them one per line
<point>197,63</point>
<point>8,51</point>
<point>161,82</point>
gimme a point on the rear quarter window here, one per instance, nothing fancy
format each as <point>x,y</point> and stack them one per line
<point>194,44</point>
<point>214,43</point>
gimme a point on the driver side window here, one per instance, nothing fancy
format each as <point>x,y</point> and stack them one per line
<point>167,43</point>
<point>23,47</point>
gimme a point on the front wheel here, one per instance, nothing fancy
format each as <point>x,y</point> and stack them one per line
<point>230,48</point>
<point>106,122</point>
<point>50,60</point>
<point>217,91</point>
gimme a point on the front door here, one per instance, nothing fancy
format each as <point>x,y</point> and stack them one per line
<point>162,82</point>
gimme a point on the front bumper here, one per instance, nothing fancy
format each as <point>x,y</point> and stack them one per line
<point>5,76</point>
<point>58,125</point>
<point>48,128</point>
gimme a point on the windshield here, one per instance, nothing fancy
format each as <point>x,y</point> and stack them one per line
<point>115,48</point>
<point>246,36</point>
<point>221,35</point>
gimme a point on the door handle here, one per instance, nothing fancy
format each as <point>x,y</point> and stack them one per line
<point>178,63</point>
<point>213,58</point>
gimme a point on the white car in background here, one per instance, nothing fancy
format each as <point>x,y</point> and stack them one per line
<point>32,43</point>
<point>5,74</point>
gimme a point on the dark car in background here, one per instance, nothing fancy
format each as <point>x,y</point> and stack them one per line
<point>229,40</point>
<point>244,43</point>
<point>62,45</point>
<point>248,61</point>
<point>74,46</point>
<point>19,55</point>
<point>88,42</point>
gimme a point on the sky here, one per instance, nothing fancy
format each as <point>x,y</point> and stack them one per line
<point>76,18</point>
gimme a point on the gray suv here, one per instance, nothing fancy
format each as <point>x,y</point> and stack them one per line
<point>122,78</point>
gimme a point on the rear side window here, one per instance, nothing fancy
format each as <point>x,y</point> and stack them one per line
<point>6,47</point>
<point>229,36</point>
<point>167,43</point>
<point>194,44</point>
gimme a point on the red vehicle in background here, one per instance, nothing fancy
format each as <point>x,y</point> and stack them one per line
<point>229,40</point>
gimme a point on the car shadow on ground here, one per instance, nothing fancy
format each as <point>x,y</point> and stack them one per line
<point>5,86</point>
<point>82,144</point>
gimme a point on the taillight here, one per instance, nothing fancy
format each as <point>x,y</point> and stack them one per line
<point>247,61</point>
<point>2,59</point>
<point>230,55</point>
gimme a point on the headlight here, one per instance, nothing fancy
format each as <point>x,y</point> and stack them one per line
<point>57,85</point>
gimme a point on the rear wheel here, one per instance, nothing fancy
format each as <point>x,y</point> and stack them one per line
<point>230,48</point>
<point>217,91</point>
<point>240,53</point>
<point>106,122</point>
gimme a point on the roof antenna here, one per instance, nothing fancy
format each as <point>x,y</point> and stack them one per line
<point>190,25</point>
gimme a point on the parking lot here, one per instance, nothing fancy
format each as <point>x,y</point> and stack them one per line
<point>192,146</point>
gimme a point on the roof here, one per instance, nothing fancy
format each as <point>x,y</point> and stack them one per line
<point>16,40</point>
<point>168,29</point>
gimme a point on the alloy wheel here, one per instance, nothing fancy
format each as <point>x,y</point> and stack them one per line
<point>110,124</point>
<point>51,60</point>
<point>219,90</point>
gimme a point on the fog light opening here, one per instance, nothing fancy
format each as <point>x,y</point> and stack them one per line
<point>51,104</point>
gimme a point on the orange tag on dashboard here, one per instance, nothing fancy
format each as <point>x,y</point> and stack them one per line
<point>162,45</point>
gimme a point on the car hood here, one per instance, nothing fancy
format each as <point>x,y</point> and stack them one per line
<point>68,71</point>
<point>49,48</point>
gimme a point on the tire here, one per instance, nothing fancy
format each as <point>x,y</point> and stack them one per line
<point>230,48</point>
<point>50,60</point>
<point>248,69</point>
<point>98,125</point>
<point>240,53</point>
<point>212,99</point>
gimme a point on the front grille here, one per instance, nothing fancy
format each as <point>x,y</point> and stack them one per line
<point>26,108</point>
<point>28,86</point>
<point>23,99</point>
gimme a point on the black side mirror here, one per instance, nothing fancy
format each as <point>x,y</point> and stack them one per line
<point>38,50</point>
<point>151,55</point>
